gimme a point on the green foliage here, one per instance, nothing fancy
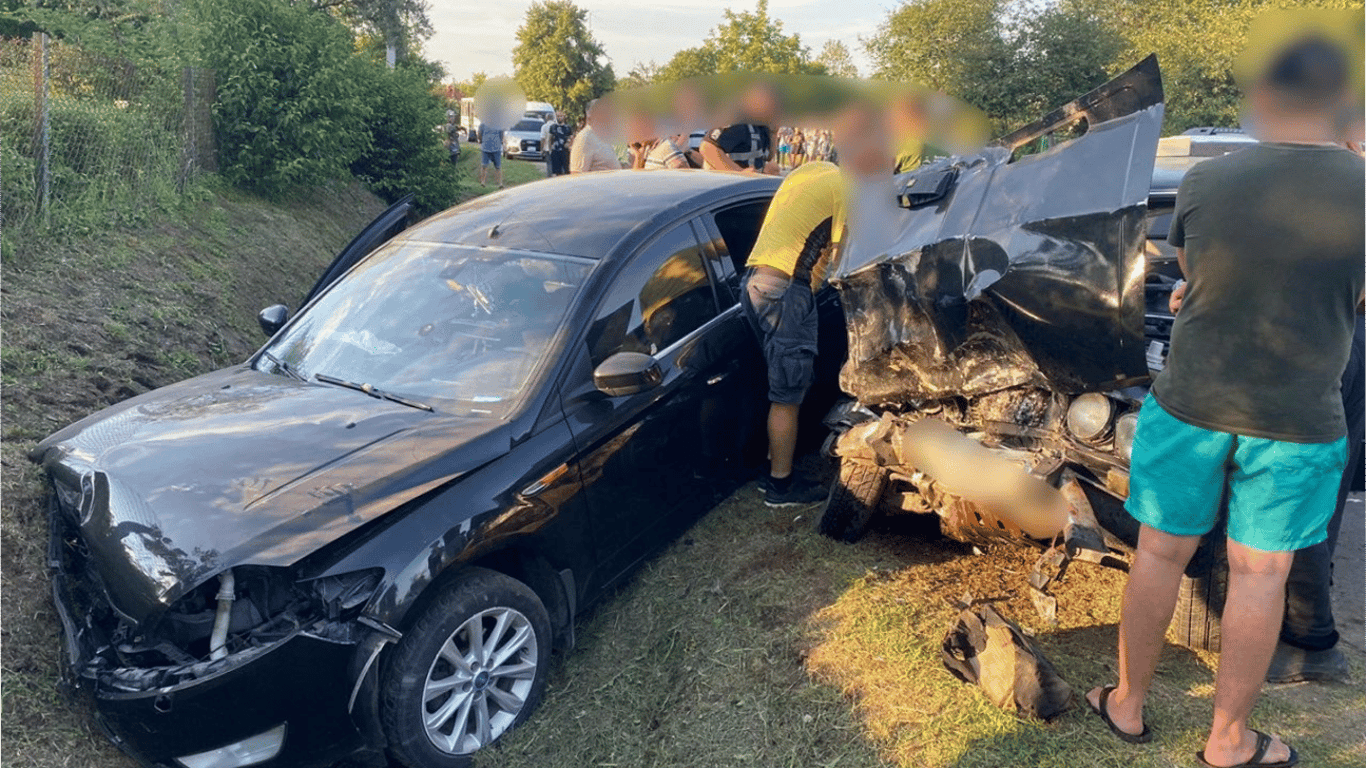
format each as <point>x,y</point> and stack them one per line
<point>640,75</point>
<point>927,41</point>
<point>405,154</point>
<point>1195,43</point>
<point>1051,56</point>
<point>557,60</point>
<point>292,106</point>
<point>747,41</point>
<point>836,59</point>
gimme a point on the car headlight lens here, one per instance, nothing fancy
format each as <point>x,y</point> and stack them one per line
<point>248,751</point>
<point>1088,417</point>
<point>1125,427</point>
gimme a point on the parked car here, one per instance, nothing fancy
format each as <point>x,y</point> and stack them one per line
<point>523,139</point>
<point>367,539</point>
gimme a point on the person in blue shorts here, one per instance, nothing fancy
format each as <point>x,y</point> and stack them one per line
<point>491,151</point>
<point>1248,413</point>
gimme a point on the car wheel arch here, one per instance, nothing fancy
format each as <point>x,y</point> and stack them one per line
<point>515,562</point>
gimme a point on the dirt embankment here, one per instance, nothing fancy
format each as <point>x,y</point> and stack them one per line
<point>90,322</point>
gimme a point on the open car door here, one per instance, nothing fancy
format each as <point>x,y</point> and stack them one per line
<point>375,234</point>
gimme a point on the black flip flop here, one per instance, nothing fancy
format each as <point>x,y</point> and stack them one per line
<point>1263,744</point>
<point>1103,711</point>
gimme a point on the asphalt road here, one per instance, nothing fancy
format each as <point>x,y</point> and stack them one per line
<point>1349,573</point>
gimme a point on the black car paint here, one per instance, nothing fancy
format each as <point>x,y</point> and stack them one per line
<point>243,467</point>
<point>1029,271</point>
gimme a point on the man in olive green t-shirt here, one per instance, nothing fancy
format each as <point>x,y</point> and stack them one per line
<point>1248,411</point>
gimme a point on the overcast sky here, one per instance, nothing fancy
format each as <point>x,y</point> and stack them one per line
<point>479,35</point>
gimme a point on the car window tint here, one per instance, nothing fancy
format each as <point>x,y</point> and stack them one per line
<point>739,226</point>
<point>528,126</point>
<point>662,295</point>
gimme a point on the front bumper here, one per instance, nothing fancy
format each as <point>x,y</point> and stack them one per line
<point>302,683</point>
<point>158,714</point>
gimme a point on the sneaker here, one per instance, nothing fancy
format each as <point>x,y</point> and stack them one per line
<point>1295,665</point>
<point>799,492</point>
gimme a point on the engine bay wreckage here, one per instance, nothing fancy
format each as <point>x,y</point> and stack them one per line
<point>1003,330</point>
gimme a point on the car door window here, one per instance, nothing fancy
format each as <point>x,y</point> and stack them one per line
<point>663,295</point>
<point>739,226</point>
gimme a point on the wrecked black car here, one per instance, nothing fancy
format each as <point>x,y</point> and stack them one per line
<point>999,351</point>
<point>366,540</point>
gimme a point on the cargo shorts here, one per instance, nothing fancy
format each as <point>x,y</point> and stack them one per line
<point>783,315</point>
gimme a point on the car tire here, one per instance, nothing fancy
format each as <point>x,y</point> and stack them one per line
<point>441,697</point>
<point>854,500</point>
<point>1200,602</point>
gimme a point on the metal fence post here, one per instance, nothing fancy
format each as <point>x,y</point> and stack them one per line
<point>42,132</point>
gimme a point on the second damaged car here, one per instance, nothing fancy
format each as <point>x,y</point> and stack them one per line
<point>997,349</point>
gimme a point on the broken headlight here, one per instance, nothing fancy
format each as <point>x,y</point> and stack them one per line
<point>1088,417</point>
<point>1125,427</point>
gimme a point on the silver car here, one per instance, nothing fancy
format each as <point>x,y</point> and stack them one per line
<point>523,140</point>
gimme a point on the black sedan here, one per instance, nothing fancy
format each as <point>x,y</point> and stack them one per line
<point>366,540</point>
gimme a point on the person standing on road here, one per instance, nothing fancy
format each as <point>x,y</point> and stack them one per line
<point>786,267</point>
<point>491,153</point>
<point>1271,238</point>
<point>590,152</point>
<point>557,135</point>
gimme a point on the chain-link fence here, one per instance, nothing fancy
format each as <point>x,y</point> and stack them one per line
<point>88,141</point>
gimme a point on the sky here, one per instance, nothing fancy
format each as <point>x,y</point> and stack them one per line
<point>479,35</point>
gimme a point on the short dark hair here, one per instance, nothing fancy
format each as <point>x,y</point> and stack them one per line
<point>1311,74</point>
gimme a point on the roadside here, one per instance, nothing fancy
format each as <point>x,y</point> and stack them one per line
<point>754,641</point>
<point>93,321</point>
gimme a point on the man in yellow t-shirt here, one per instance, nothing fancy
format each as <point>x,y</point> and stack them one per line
<point>789,263</point>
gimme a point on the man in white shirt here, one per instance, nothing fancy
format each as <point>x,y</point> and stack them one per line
<point>590,152</point>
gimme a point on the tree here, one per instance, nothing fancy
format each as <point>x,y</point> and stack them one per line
<point>392,24</point>
<point>1195,43</point>
<point>748,41</point>
<point>928,41</point>
<point>836,59</point>
<point>558,60</point>
<point>640,75</point>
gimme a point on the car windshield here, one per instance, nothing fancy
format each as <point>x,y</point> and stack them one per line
<point>529,126</point>
<point>459,329</point>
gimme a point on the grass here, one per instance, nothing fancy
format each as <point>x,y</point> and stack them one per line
<point>749,641</point>
<point>515,172</point>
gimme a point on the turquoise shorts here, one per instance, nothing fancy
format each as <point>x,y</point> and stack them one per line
<point>1280,494</point>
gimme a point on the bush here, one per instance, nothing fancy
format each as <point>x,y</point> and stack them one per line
<point>405,154</point>
<point>292,106</point>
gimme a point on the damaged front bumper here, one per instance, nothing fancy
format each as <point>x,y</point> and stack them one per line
<point>281,701</point>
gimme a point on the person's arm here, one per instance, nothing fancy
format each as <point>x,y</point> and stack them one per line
<point>578,158</point>
<point>714,159</point>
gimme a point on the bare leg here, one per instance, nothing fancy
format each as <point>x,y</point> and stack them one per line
<point>483,173</point>
<point>782,438</point>
<point>499,171</point>
<point>1149,601</point>
<point>1250,626</point>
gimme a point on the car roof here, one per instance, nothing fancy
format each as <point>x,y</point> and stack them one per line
<point>587,215</point>
<point>1178,154</point>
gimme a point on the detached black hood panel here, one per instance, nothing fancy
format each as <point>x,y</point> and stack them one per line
<point>243,467</point>
<point>1024,272</point>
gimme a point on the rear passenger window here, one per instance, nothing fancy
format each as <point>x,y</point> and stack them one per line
<point>663,295</point>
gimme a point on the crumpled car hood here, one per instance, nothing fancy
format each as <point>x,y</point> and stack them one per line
<point>1016,272</point>
<point>242,467</point>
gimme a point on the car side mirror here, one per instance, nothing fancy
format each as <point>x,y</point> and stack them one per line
<point>627,373</point>
<point>273,318</point>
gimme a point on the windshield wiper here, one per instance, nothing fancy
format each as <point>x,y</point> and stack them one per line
<point>282,365</point>
<point>371,391</point>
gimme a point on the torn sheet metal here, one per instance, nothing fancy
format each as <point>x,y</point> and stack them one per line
<point>1024,272</point>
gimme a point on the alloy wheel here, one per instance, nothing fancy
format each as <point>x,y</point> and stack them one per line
<point>479,681</point>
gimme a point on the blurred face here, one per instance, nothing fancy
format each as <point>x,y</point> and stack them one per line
<point>864,142</point>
